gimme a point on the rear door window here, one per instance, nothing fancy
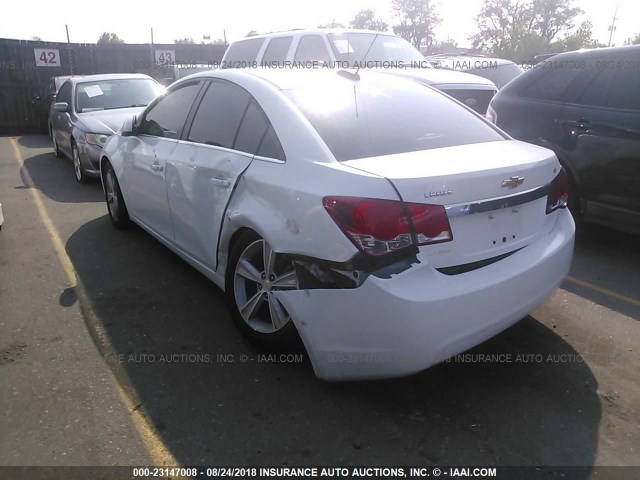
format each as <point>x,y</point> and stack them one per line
<point>625,88</point>
<point>312,48</point>
<point>554,83</point>
<point>242,54</point>
<point>276,52</point>
<point>219,115</point>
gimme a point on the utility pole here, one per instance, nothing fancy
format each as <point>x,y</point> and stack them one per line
<point>152,56</point>
<point>66,27</point>
<point>612,27</point>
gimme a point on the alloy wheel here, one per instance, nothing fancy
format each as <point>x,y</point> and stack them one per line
<point>76,163</point>
<point>259,273</point>
<point>112,194</point>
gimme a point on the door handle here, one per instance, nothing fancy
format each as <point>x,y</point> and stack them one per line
<point>156,167</point>
<point>222,182</point>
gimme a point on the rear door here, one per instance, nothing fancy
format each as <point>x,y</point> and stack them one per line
<point>602,136</point>
<point>145,163</point>
<point>227,130</point>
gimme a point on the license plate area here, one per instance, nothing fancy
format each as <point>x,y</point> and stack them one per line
<point>482,235</point>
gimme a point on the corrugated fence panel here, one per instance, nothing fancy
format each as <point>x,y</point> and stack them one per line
<point>23,83</point>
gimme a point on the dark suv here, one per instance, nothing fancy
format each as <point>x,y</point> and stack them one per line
<point>585,106</point>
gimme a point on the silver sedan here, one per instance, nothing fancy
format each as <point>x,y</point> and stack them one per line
<point>89,109</point>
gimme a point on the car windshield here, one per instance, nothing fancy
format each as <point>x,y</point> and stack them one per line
<point>500,75</point>
<point>111,94</point>
<point>353,47</point>
<point>358,119</point>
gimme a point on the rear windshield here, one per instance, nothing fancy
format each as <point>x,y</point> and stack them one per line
<point>358,119</point>
<point>111,94</point>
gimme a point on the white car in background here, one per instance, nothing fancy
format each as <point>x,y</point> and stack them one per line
<point>337,207</point>
<point>353,48</point>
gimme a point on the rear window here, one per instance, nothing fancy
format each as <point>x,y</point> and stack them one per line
<point>358,119</point>
<point>242,54</point>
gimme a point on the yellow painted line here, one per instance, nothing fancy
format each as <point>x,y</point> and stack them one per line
<point>159,453</point>
<point>604,291</point>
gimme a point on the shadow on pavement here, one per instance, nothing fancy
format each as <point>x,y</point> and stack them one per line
<point>35,141</point>
<point>173,336</point>
<point>55,178</point>
<point>608,259</point>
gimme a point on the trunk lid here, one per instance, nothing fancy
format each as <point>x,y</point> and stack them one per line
<point>471,175</point>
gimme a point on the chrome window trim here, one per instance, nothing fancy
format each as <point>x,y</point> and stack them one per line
<point>496,203</point>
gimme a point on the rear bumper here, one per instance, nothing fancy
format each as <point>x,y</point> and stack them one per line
<point>420,317</point>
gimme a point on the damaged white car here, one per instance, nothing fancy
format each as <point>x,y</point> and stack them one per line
<point>388,225</point>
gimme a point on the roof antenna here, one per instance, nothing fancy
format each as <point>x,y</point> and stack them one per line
<point>355,76</point>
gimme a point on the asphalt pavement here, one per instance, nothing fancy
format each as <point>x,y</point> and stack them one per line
<point>116,352</point>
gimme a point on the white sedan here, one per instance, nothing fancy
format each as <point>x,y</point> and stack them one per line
<point>387,225</point>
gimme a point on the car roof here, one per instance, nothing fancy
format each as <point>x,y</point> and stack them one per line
<point>595,52</point>
<point>107,76</point>
<point>315,31</point>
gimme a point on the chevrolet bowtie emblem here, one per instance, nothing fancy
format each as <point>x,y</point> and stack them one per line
<point>512,182</point>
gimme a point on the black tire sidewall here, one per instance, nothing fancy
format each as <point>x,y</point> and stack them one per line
<point>123,220</point>
<point>83,175</point>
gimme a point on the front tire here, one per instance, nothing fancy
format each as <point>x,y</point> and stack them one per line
<point>116,207</point>
<point>254,273</point>
<point>81,174</point>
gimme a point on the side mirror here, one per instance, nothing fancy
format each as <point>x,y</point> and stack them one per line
<point>130,126</point>
<point>61,107</point>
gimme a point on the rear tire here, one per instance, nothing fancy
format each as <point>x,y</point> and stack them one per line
<point>254,271</point>
<point>116,207</point>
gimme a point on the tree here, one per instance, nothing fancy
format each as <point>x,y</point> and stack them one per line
<point>418,19</point>
<point>581,38</point>
<point>501,25</point>
<point>36,38</point>
<point>186,40</point>
<point>109,38</point>
<point>520,29</point>
<point>333,24</point>
<point>633,40</point>
<point>252,33</point>
<point>550,17</point>
<point>448,46</point>
<point>364,19</point>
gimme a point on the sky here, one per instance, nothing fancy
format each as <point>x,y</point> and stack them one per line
<point>132,20</point>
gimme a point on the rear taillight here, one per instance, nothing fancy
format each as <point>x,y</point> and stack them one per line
<point>558,192</point>
<point>378,227</point>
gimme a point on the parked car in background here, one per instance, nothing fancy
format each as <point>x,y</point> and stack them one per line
<point>89,109</point>
<point>585,106</point>
<point>498,70</point>
<point>351,48</point>
<point>46,97</point>
<point>331,206</point>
